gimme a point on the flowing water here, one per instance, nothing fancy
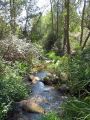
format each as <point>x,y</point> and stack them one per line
<point>46,96</point>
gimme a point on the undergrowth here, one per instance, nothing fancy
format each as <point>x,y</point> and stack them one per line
<point>12,88</point>
<point>77,70</point>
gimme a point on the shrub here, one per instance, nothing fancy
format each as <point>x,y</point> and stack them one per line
<point>12,88</point>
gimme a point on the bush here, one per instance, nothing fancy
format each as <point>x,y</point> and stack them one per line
<point>12,88</point>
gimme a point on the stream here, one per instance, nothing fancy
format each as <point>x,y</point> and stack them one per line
<point>46,96</point>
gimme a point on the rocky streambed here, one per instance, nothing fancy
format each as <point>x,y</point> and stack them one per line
<point>43,99</point>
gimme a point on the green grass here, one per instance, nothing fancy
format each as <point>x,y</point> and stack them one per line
<point>50,116</point>
<point>75,109</point>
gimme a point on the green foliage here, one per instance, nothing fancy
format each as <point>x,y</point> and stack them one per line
<point>77,68</point>
<point>12,87</point>
<point>36,36</point>
<point>19,33</point>
<point>59,64</point>
<point>75,109</point>
<point>49,41</point>
<point>74,19</point>
<point>3,110</point>
<point>21,67</point>
<point>46,23</point>
<point>50,116</point>
<point>52,55</point>
<point>36,33</point>
<point>4,29</point>
<point>79,73</point>
<point>74,41</point>
<point>2,66</point>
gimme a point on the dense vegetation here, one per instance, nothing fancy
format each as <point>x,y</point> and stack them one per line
<point>12,88</point>
<point>77,72</point>
<point>62,35</point>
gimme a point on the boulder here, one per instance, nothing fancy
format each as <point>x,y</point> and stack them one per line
<point>50,79</point>
<point>33,78</point>
<point>31,106</point>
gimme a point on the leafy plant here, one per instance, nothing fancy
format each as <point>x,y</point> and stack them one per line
<point>12,88</point>
<point>50,116</point>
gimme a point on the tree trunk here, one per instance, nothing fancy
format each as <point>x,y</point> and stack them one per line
<point>64,42</point>
<point>13,16</point>
<point>26,21</point>
<point>57,19</point>
<point>5,11</point>
<point>82,22</point>
<point>66,28</point>
<point>65,39</point>
<point>52,15</point>
<point>86,41</point>
<point>67,32</point>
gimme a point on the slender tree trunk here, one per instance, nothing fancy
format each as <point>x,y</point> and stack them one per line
<point>5,10</point>
<point>26,22</point>
<point>13,16</point>
<point>25,28</point>
<point>57,19</point>
<point>66,28</point>
<point>52,15</point>
<point>68,42</point>
<point>86,41</point>
<point>82,22</point>
<point>65,39</point>
<point>65,24</point>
